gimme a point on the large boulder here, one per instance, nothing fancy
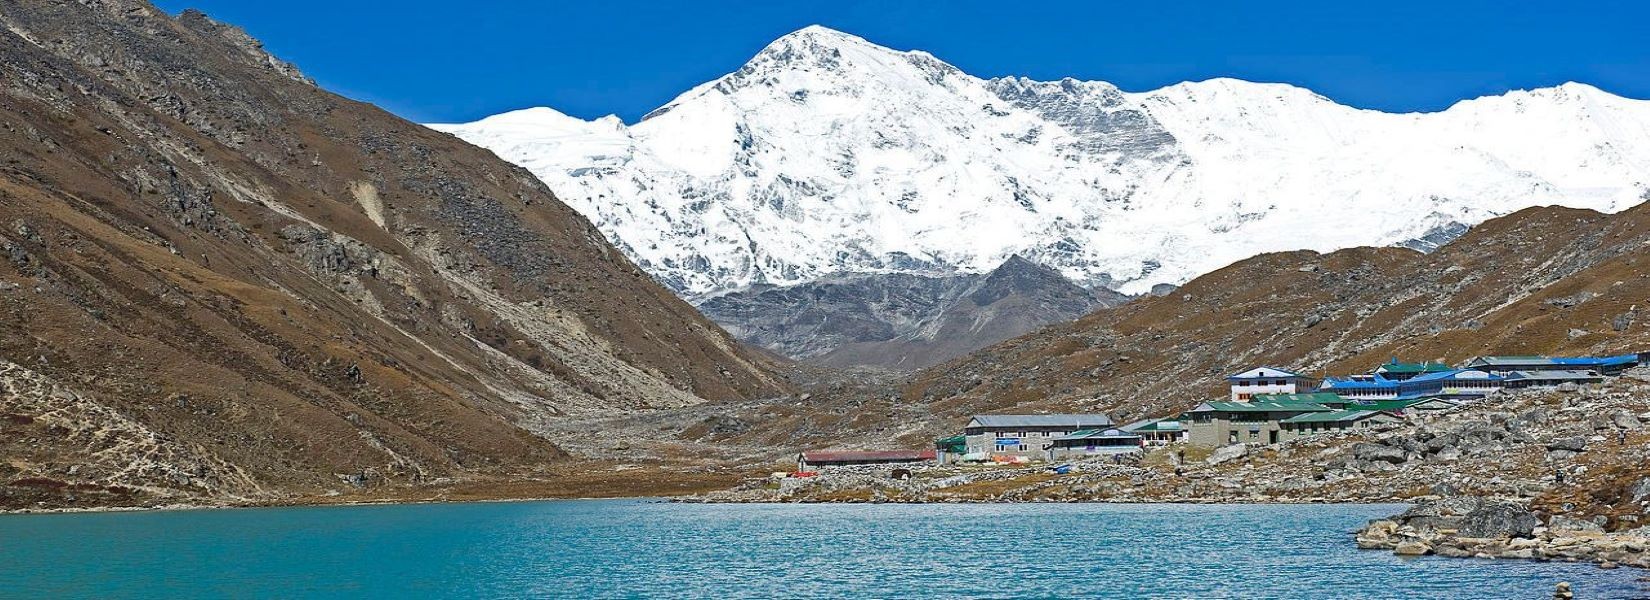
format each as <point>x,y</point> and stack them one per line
<point>1499,519</point>
<point>1441,442</point>
<point>1227,453</point>
<point>1626,420</point>
<point>1378,453</point>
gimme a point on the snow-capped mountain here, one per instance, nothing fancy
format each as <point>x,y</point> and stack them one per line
<point>827,154</point>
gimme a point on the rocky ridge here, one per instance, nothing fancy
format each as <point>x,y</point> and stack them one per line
<point>902,321</point>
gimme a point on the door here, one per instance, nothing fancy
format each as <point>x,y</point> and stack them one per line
<point>1272,436</point>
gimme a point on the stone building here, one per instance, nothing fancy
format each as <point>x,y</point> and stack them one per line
<point>1222,423</point>
<point>1025,435</point>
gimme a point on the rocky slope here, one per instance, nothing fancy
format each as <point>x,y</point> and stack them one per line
<point>1540,281</point>
<point>219,281</point>
<point>902,321</point>
<point>826,154</point>
<point>1543,280</point>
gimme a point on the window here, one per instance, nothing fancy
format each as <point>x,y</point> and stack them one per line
<point>1243,384</point>
<point>1254,434</point>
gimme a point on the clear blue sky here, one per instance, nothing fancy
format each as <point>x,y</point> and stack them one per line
<point>443,61</point>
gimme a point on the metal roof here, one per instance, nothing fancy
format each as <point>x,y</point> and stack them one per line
<point>1402,367</point>
<point>1163,424</point>
<point>1342,383</point>
<point>1261,407</point>
<point>1393,404</point>
<point>1078,421</point>
<point>1565,375</point>
<point>1449,375</point>
<point>1096,434</point>
<point>1264,373</point>
<point>1620,359</point>
<point>1307,397</point>
<point>1501,361</point>
<point>1332,417</point>
<point>815,456</point>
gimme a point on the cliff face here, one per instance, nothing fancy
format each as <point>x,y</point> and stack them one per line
<point>219,280</point>
<point>901,321</point>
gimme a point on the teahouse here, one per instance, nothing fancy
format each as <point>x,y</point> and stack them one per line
<point>1025,435</point>
<point>1093,442</point>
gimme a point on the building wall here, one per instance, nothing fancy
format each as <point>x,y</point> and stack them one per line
<point>1244,393</point>
<point>1295,431</point>
<point>1076,452</point>
<point>1221,429</point>
<point>1034,441</point>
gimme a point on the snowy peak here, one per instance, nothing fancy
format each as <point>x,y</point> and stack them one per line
<point>827,154</point>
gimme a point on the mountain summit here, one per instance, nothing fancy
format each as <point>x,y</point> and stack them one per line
<point>827,154</point>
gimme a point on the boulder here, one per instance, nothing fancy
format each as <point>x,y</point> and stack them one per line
<point>1568,523</point>
<point>1626,420</point>
<point>1499,519</point>
<point>1437,444</point>
<point>1372,452</point>
<point>1227,453</point>
<point>1640,489</point>
<point>1412,549</point>
<point>1573,443</point>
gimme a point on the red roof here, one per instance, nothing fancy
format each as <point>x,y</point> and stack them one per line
<point>867,455</point>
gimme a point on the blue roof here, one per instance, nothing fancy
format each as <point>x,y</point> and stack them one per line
<point>1451,374</point>
<point>1620,359</point>
<point>1343,383</point>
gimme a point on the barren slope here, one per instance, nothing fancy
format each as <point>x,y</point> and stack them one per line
<point>217,280</point>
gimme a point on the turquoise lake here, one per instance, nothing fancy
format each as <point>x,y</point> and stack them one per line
<point>636,548</point>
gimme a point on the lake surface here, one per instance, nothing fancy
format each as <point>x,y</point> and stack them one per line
<point>633,548</point>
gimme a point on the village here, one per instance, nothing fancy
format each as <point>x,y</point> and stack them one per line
<point>1264,406</point>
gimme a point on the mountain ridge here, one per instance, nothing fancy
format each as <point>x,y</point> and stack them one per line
<point>826,153</point>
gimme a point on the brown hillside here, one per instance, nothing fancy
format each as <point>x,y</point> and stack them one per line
<point>219,280</point>
<point>1543,280</point>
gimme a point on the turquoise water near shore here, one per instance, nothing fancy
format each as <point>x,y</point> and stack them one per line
<point>634,548</point>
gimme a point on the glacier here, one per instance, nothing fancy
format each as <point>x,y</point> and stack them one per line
<point>827,154</point>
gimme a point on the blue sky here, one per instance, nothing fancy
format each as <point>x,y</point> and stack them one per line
<point>441,61</point>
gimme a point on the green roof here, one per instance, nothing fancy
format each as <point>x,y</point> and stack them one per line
<point>1161,425</point>
<point>1309,398</point>
<point>1389,404</point>
<point>954,441</point>
<point>1261,406</point>
<point>1331,417</point>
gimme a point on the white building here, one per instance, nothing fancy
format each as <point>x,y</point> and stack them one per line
<point>1267,380</point>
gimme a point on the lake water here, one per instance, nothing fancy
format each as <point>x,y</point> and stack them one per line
<point>632,548</point>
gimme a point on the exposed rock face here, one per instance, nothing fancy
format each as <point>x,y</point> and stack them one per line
<point>903,321</point>
<point>248,287</point>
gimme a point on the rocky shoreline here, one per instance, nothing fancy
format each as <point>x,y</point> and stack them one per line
<point>1559,474</point>
<point>1469,527</point>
